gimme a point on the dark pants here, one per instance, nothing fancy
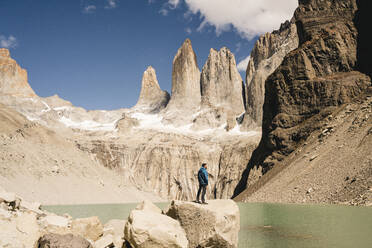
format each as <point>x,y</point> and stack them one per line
<point>202,189</point>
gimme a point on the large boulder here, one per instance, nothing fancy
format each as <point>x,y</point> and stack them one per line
<point>106,241</point>
<point>148,228</point>
<point>62,241</point>
<point>90,228</point>
<point>148,206</point>
<point>214,225</point>
<point>19,230</point>
<point>115,228</point>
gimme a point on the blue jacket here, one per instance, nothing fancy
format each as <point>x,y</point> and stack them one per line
<point>203,176</point>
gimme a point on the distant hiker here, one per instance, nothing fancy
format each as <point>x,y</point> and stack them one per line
<point>203,183</point>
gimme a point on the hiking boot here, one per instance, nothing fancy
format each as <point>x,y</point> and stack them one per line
<point>197,201</point>
<point>206,203</point>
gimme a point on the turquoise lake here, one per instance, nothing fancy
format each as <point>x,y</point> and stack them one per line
<point>271,225</point>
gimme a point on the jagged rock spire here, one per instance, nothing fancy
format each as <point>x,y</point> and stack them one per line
<point>185,78</point>
<point>152,98</point>
<point>221,83</point>
<point>13,79</point>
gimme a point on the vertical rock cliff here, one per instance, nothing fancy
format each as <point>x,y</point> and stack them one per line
<point>185,79</point>
<point>13,79</point>
<point>266,56</point>
<point>222,92</point>
<point>221,84</point>
<point>313,79</point>
<point>152,98</point>
<point>167,164</point>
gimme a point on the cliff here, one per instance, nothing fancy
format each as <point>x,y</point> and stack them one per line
<point>266,56</point>
<point>310,84</point>
<point>185,79</point>
<point>13,79</point>
<point>152,99</point>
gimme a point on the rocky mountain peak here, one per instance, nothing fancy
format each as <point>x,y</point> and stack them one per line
<point>4,52</point>
<point>151,98</point>
<point>185,78</point>
<point>311,83</point>
<point>13,79</point>
<point>221,83</point>
<point>267,54</point>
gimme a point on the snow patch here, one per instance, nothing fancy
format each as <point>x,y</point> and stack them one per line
<point>88,125</point>
<point>62,108</point>
<point>154,122</point>
<point>47,107</point>
<point>236,131</point>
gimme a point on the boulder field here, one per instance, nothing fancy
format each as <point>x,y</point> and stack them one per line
<point>180,225</point>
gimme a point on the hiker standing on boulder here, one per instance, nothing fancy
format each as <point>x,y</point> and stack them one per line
<point>203,183</point>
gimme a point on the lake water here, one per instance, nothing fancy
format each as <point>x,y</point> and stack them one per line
<point>272,225</point>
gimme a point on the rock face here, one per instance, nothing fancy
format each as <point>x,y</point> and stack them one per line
<point>148,228</point>
<point>13,79</point>
<point>90,228</point>
<point>63,241</point>
<point>266,56</point>
<point>222,92</point>
<point>318,75</point>
<point>152,99</point>
<point>115,229</point>
<point>126,123</point>
<point>214,225</point>
<point>185,79</point>
<point>221,84</point>
<point>168,163</point>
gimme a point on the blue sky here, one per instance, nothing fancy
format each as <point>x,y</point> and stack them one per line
<point>94,52</point>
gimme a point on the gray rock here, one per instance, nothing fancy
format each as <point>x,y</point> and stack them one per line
<point>106,241</point>
<point>116,229</point>
<point>267,54</point>
<point>148,206</point>
<point>89,228</point>
<point>152,99</point>
<point>185,97</point>
<point>221,83</point>
<point>145,229</point>
<point>63,241</point>
<point>214,225</point>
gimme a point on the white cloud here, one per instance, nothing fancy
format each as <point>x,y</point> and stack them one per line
<point>188,30</point>
<point>9,42</point>
<point>174,3</point>
<point>163,11</point>
<point>111,4</point>
<point>89,9</point>
<point>242,65</point>
<point>248,17</point>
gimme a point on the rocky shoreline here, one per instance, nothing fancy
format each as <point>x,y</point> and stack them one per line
<point>182,224</point>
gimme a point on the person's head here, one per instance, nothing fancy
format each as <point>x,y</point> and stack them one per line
<point>204,165</point>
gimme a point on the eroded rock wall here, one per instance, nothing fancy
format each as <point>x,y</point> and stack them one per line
<point>152,99</point>
<point>317,76</point>
<point>266,56</point>
<point>167,164</point>
<point>13,79</point>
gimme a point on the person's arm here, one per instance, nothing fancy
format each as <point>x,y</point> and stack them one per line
<point>206,176</point>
